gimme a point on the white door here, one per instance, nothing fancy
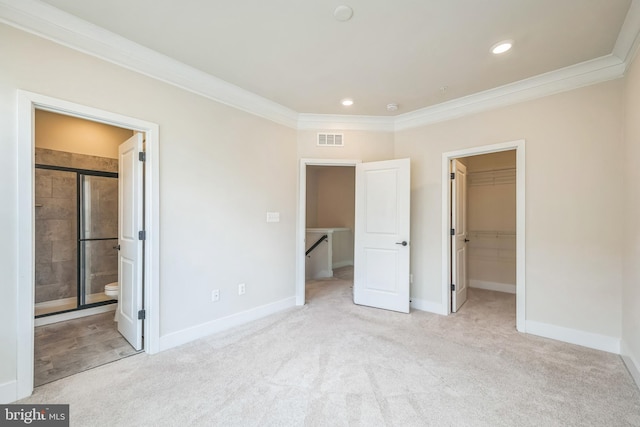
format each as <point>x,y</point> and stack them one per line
<point>381,263</point>
<point>130,223</point>
<point>458,235</point>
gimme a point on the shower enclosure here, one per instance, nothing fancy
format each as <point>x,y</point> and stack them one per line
<point>76,238</point>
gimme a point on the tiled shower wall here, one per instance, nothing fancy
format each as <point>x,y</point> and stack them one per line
<point>56,226</point>
<point>56,235</point>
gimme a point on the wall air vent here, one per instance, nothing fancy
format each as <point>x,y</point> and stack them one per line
<point>330,140</point>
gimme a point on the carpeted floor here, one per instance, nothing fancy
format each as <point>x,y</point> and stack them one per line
<point>333,363</point>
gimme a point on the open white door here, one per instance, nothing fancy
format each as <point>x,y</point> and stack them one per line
<point>381,264</point>
<point>458,235</point>
<point>130,223</point>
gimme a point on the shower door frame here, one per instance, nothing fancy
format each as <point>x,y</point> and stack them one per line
<point>81,293</point>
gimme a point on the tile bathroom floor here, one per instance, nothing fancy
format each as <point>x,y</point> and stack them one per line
<point>67,348</point>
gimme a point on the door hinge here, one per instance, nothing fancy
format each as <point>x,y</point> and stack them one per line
<point>453,175</point>
<point>453,231</point>
<point>142,235</point>
<point>142,156</point>
<point>142,314</point>
<point>453,287</point>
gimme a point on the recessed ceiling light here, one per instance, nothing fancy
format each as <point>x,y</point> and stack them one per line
<point>392,107</point>
<point>347,102</point>
<point>501,47</point>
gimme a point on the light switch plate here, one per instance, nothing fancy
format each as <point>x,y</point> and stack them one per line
<point>273,216</point>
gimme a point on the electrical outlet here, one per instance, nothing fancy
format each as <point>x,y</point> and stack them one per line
<point>215,295</point>
<point>241,289</point>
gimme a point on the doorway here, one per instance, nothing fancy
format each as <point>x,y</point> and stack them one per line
<point>483,223</point>
<point>329,227</point>
<point>382,230</point>
<point>76,215</point>
<point>27,104</point>
<point>302,246</point>
<point>456,235</point>
<point>77,240</point>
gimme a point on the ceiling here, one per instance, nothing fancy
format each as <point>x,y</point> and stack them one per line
<point>295,53</point>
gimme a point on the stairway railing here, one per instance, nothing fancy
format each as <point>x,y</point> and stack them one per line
<point>316,244</point>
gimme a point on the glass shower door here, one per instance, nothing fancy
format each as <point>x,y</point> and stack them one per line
<point>98,237</point>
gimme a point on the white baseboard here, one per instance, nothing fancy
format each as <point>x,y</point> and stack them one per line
<point>431,307</point>
<point>184,336</point>
<point>8,392</point>
<point>341,264</point>
<point>631,362</point>
<point>55,318</point>
<point>574,336</point>
<point>493,286</point>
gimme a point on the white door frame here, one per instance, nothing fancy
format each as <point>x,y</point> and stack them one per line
<point>27,103</point>
<point>302,217</point>
<point>519,146</point>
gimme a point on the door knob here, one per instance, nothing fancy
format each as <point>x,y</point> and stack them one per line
<point>403,243</point>
<point>466,240</point>
<point>117,247</point>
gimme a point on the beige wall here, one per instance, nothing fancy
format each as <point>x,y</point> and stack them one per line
<point>491,207</point>
<point>493,161</point>
<point>573,194</point>
<point>74,135</point>
<point>334,190</point>
<point>358,145</point>
<point>631,237</point>
<point>220,171</point>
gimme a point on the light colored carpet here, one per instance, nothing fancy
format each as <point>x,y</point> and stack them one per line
<point>333,363</point>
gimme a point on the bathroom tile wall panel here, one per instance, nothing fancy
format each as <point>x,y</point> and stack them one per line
<point>56,235</point>
<point>45,156</point>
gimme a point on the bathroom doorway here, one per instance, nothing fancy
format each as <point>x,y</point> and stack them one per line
<point>146,311</point>
<point>76,181</point>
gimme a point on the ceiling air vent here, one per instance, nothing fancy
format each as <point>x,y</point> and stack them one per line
<point>330,140</point>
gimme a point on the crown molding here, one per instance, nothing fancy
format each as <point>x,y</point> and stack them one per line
<point>586,73</point>
<point>345,122</point>
<point>629,35</point>
<point>63,28</point>
<point>60,27</point>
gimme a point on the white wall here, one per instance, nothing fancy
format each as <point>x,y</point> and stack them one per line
<point>220,171</point>
<point>631,236</point>
<point>573,207</point>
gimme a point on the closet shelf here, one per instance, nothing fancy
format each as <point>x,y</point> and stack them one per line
<point>492,177</point>
<point>484,234</point>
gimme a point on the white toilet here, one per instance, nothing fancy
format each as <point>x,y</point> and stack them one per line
<point>112,290</point>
